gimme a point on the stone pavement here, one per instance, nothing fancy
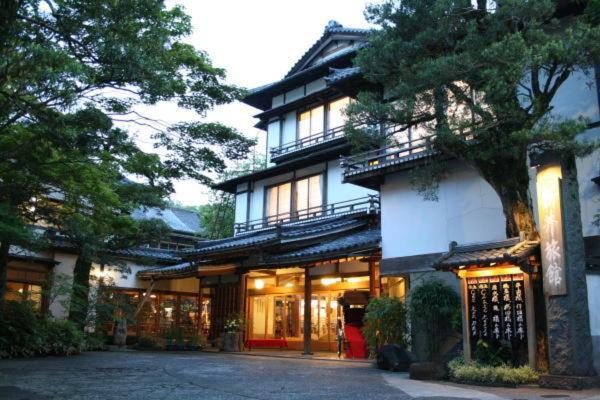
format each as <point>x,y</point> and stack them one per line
<point>174,375</point>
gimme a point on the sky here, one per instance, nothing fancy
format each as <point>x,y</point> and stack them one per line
<point>257,42</point>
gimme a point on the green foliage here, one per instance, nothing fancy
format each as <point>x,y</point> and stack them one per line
<point>492,354</point>
<point>474,373</point>
<point>147,343</point>
<point>234,323</point>
<point>481,77</point>
<point>434,308</point>
<point>95,343</point>
<point>69,70</point>
<point>385,323</point>
<point>62,337</point>
<point>23,333</point>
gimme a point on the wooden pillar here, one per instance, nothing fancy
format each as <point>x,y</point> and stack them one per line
<point>464,295</point>
<point>307,311</point>
<point>199,311</point>
<point>374,282</point>
<point>530,321</point>
<point>242,306</point>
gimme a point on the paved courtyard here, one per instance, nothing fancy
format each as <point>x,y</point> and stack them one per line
<point>161,375</point>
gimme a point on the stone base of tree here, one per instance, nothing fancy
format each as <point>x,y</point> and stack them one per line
<point>427,371</point>
<point>569,382</point>
<point>231,342</point>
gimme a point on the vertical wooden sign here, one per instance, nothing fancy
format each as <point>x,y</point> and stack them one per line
<point>551,230</point>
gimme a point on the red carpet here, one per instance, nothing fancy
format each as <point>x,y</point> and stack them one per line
<point>357,347</point>
<point>266,343</point>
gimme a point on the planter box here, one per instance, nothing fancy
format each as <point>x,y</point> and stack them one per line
<point>231,341</point>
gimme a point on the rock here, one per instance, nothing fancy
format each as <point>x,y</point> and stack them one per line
<point>393,357</point>
<point>120,332</point>
<point>231,341</point>
<point>427,371</point>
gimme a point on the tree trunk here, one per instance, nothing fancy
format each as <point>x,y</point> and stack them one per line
<point>4,253</point>
<point>81,288</point>
<point>519,215</point>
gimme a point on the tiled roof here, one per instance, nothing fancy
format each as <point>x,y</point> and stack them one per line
<point>512,250</point>
<point>340,74</point>
<point>170,271</point>
<point>149,253</point>
<point>286,233</point>
<point>368,239</point>
<point>177,219</point>
<point>331,28</point>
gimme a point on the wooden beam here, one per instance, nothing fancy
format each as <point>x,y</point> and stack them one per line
<point>307,312</point>
<point>144,299</point>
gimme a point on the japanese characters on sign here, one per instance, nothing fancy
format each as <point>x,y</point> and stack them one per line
<point>551,231</point>
<point>497,308</point>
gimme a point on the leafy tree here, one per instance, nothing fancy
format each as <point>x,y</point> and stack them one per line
<point>69,69</point>
<point>480,76</point>
<point>434,308</point>
<point>385,323</point>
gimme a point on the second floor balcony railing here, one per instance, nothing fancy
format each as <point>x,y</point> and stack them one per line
<point>394,154</point>
<point>308,141</point>
<point>367,204</point>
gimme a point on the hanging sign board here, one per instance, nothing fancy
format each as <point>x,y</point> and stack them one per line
<point>551,230</point>
<point>497,308</point>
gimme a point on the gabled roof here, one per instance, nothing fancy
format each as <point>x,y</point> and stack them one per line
<point>513,250</point>
<point>332,29</point>
<point>179,220</point>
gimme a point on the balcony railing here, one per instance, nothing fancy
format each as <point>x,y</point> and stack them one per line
<point>368,204</point>
<point>308,141</point>
<point>391,155</point>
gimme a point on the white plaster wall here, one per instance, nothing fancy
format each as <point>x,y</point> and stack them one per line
<point>593,287</point>
<point>468,211</point>
<point>589,192</point>
<point>577,96</point>
<point>294,94</point>
<point>314,86</point>
<point>273,134</point>
<point>289,128</point>
<point>241,206</point>
<point>338,191</point>
<point>59,306</point>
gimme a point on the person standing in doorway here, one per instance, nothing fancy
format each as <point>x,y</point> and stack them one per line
<point>340,337</point>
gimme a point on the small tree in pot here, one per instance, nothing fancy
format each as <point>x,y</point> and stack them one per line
<point>231,339</point>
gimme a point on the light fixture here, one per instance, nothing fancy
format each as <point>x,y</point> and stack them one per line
<point>354,279</point>
<point>289,284</point>
<point>259,284</point>
<point>329,281</point>
<point>152,296</point>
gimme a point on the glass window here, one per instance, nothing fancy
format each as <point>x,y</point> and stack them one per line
<point>278,204</point>
<point>309,196</point>
<point>311,122</point>
<point>21,292</point>
<point>188,314</point>
<point>336,117</point>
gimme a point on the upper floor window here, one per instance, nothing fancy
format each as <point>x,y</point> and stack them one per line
<point>311,122</point>
<point>278,202</point>
<point>306,202</point>
<point>336,116</point>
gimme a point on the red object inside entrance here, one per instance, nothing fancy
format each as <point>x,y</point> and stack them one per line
<point>356,346</point>
<point>266,343</point>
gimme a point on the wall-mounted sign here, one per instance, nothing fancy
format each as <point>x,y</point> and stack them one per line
<point>551,230</point>
<point>497,308</point>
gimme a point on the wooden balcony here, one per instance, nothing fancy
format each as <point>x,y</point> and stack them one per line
<point>306,143</point>
<point>366,205</point>
<point>375,162</point>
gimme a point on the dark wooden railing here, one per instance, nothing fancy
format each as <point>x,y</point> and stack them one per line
<point>368,204</point>
<point>308,141</point>
<point>386,155</point>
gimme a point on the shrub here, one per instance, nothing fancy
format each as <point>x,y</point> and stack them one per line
<point>492,354</point>
<point>234,323</point>
<point>146,343</point>
<point>475,373</point>
<point>95,343</point>
<point>62,337</point>
<point>385,323</point>
<point>434,309</point>
<point>20,331</point>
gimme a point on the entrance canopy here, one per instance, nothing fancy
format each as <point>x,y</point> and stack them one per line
<point>488,254</point>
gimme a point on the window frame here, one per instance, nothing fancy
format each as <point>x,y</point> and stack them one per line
<point>293,214</point>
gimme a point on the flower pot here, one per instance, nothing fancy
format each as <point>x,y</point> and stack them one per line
<point>231,341</point>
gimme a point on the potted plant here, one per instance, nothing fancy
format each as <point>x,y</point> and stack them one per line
<point>231,339</point>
